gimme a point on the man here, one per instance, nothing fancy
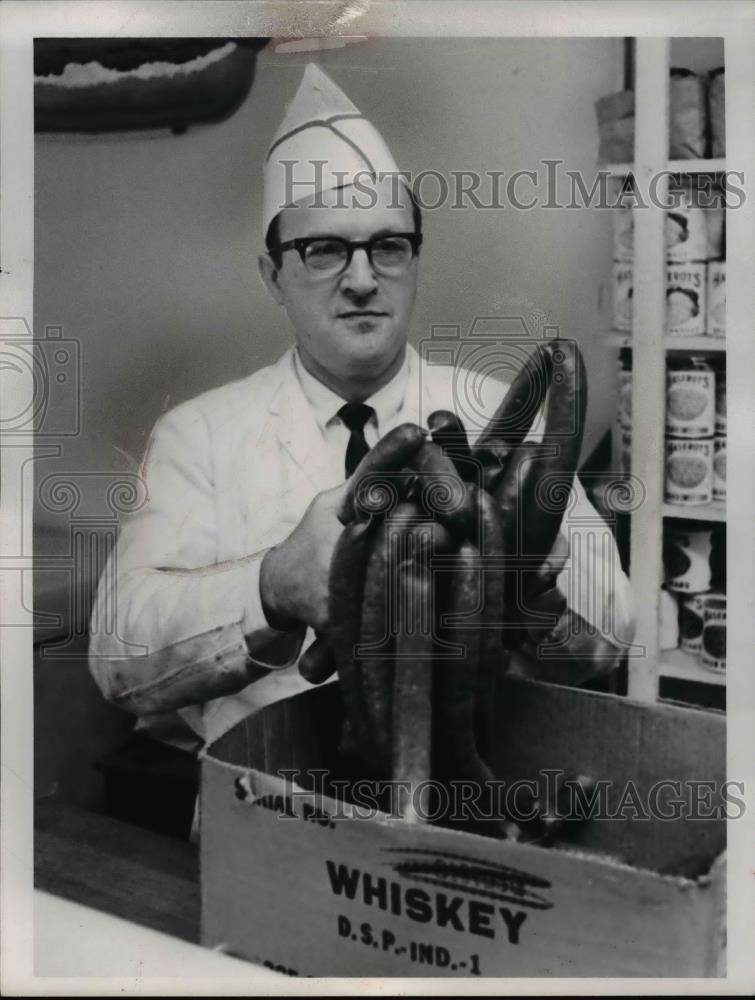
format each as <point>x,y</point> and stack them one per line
<point>221,577</point>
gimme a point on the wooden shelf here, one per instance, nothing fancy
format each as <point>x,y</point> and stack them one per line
<point>706,512</point>
<point>652,350</point>
<point>715,511</point>
<point>684,666</point>
<point>714,166</point>
<point>708,345</point>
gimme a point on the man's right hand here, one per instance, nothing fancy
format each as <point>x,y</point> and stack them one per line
<point>294,575</point>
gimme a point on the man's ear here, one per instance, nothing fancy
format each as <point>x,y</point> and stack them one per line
<point>270,276</point>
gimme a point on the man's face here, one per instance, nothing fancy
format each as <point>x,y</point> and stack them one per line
<point>351,326</point>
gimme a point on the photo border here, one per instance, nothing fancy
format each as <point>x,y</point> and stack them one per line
<point>20,22</point>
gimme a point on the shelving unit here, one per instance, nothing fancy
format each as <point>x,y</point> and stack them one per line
<point>647,663</point>
<point>686,667</point>
<point>714,512</point>
<point>705,345</point>
<point>714,166</point>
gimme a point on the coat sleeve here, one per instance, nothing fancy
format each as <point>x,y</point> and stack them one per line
<point>170,626</point>
<point>597,621</point>
<point>581,628</point>
<point>595,586</point>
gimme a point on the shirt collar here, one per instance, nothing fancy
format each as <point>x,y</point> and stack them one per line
<point>386,402</point>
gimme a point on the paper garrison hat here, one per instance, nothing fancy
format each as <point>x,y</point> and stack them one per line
<point>321,124</point>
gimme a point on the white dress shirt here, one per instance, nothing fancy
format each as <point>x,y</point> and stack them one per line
<point>386,403</point>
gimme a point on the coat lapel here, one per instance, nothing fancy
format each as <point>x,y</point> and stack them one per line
<point>303,448</point>
<point>305,464</point>
<point>418,401</point>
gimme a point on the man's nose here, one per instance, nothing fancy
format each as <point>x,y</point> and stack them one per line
<point>359,277</point>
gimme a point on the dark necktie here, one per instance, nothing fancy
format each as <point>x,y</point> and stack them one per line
<point>355,416</point>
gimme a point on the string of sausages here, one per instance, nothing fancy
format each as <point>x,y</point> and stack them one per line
<point>442,548</point>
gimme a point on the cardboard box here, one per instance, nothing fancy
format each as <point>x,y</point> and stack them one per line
<point>289,884</point>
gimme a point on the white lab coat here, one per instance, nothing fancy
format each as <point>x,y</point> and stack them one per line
<point>228,475</point>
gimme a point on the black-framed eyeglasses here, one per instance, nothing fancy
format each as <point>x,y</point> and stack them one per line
<point>331,255</point>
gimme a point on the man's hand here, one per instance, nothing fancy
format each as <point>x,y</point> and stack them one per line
<point>543,597</point>
<point>583,653</point>
<point>294,575</point>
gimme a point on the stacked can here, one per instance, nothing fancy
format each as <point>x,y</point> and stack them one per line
<point>690,429</point>
<point>713,643</point>
<point>719,442</point>
<point>713,638</point>
<point>623,257</point>
<point>689,554</point>
<point>715,325</point>
<point>624,409</point>
<point>686,233</point>
<point>695,261</point>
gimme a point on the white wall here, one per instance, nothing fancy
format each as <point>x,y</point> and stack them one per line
<point>698,54</point>
<point>146,245</point>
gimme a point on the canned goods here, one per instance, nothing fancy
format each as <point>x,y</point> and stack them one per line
<point>690,399</point>
<point>688,114</point>
<point>685,225</point>
<point>691,612</point>
<point>719,467</point>
<point>721,400</point>
<point>623,228</point>
<point>715,221</point>
<point>715,323</point>
<point>689,471</point>
<point>716,102</point>
<point>622,296</point>
<point>669,621</point>
<point>686,558</point>
<point>713,644</point>
<point>624,413</point>
<point>685,299</point>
